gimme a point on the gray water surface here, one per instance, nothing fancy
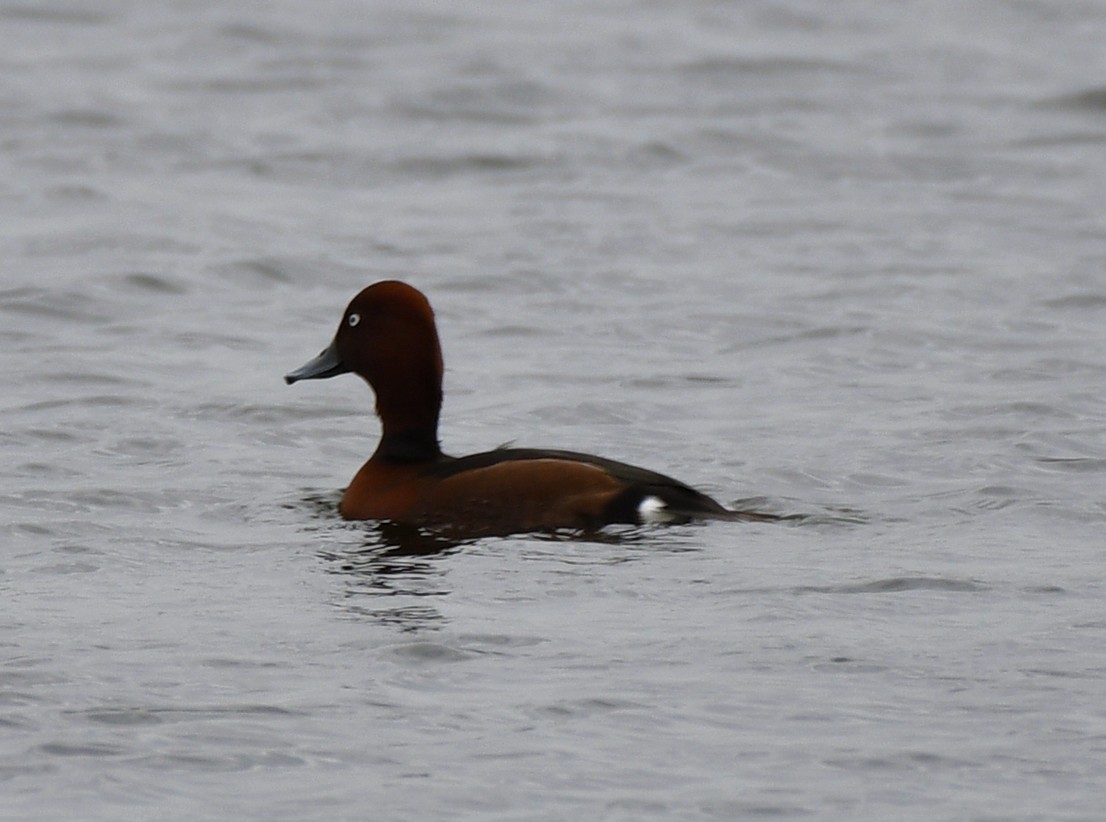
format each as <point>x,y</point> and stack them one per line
<point>840,261</point>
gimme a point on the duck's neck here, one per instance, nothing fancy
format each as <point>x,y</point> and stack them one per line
<point>408,446</point>
<point>409,422</point>
<point>405,372</point>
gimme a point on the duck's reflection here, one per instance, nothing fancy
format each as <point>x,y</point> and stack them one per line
<point>392,573</point>
<point>395,571</point>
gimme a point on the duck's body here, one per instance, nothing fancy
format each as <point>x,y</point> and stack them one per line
<point>389,338</point>
<point>513,490</point>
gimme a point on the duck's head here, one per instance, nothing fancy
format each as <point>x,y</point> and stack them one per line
<point>387,336</point>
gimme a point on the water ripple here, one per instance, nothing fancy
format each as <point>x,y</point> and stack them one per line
<point>894,585</point>
<point>1090,99</point>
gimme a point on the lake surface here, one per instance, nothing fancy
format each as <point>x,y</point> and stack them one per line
<point>840,261</point>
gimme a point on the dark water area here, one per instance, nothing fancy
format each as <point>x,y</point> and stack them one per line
<point>841,262</point>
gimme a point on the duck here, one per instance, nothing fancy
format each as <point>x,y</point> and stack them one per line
<point>388,337</point>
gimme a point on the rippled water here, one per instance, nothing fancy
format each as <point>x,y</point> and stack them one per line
<point>841,261</point>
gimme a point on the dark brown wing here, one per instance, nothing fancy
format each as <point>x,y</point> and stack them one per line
<point>677,500</point>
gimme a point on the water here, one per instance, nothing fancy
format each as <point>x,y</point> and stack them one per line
<point>844,261</point>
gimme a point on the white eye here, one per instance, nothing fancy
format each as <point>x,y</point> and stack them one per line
<point>353,320</point>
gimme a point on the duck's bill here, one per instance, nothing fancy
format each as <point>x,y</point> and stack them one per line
<point>327,364</point>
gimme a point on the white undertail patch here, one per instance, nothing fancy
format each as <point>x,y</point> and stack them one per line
<point>653,509</point>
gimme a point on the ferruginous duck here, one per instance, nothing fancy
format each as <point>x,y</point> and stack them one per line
<point>388,337</point>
